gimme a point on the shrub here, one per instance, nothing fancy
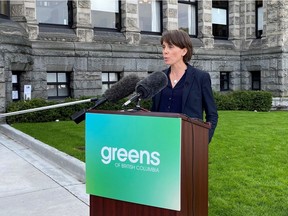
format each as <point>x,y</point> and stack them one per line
<point>51,114</point>
<point>238,100</point>
<point>224,101</point>
<point>244,100</point>
<point>253,100</point>
<point>60,113</point>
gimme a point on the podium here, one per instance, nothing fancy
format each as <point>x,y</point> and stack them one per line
<point>146,164</point>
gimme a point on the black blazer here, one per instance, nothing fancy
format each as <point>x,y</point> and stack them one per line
<point>197,97</point>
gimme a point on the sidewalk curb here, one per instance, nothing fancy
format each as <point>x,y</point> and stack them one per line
<point>72,165</point>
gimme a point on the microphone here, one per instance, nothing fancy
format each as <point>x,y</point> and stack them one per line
<point>149,86</point>
<point>121,89</point>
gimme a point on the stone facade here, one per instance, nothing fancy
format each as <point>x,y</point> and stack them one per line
<point>86,52</point>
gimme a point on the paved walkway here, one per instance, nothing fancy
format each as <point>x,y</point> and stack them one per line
<point>32,185</point>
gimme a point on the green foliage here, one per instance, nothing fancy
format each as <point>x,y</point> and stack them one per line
<point>237,100</point>
<point>224,101</point>
<point>61,113</point>
<point>244,100</point>
<point>51,114</point>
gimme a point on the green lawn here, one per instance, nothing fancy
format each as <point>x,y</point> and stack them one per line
<point>248,160</point>
<point>66,136</point>
<point>248,165</point>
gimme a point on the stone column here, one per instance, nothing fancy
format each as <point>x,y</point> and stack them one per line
<point>276,35</point>
<point>205,23</point>
<point>130,21</point>
<point>82,20</point>
<point>234,23</point>
<point>170,14</point>
<point>248,25</point>
<point>24,12</point>
<point>276,23</point>
<point>2,89</point>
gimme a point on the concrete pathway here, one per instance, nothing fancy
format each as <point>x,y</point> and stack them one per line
<point>31,184</point>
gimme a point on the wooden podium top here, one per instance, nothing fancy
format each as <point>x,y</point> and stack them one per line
<point>184,117</point>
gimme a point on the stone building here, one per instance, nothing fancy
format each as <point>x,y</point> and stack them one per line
<point>71,48</point>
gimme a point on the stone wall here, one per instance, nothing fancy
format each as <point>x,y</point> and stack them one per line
<point>2,89</point>
<point>86,52</point>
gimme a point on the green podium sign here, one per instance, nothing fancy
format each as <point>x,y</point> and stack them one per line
<point>134,158</point>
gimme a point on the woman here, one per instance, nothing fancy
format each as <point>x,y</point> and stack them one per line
<point>189,90</point>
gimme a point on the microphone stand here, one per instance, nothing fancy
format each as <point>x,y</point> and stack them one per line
<point>2,115</point>
<point>79,116</point>
<point>137,108</point>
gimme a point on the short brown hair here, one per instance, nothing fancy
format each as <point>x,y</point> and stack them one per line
<point>180,39</point>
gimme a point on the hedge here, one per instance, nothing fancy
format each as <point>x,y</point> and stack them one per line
<point>244,100</point>
<point>61,113</point>
<point>237,100</point>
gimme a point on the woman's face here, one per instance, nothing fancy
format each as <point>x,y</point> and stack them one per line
<point>172,54</point>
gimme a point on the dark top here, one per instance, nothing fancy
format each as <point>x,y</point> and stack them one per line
<point>197,97</point>
<point>171,98</point>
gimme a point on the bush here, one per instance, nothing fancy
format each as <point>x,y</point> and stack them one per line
<point>224,101</point>
<point>253,100</point>
<point>244,100</point>
<point>238,100</point>
<point>51,114</point>
<point>60,113</point>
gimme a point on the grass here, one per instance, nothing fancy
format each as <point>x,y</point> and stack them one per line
<point>248,165</point>
<point>65,136</point>
<point>247,160</point>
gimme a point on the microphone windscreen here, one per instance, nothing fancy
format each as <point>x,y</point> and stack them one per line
<point>121,89</point>
<point>152,84</point>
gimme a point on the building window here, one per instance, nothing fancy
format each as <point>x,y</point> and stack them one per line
<point>187,17</point>
<point>106,14</point>
<point>58,85</point>
<point>256,80</point>
<point>4,8</point>
<point>220,19</point>
<point>259,18</point>
<point>108,79</point>
<point>150,16</point>
<point>54,12</point>
<point>15,86</point>
<point>224,81</point>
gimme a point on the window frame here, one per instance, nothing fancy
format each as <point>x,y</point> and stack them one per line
<point>7,14</point>
<point>67,83</point>
<point>108,82</point>
<point>225,7</point>
<point>223,80</point>
<point>195,4</point>
<point>254,79</point>
<point>16,86</point>
<point>258,4</point>
<point>116,29</point>
<point>160,19</point>
<point>70,21</point>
